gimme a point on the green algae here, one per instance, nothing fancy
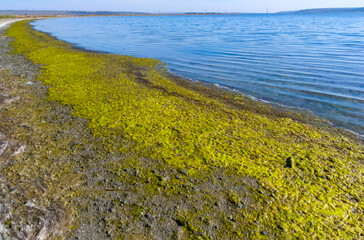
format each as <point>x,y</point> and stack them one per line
<point>134,100</point>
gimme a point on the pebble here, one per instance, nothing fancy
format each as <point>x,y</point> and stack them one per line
<point>289,162</point>
<point>182,171</point>
<point>3,147</point>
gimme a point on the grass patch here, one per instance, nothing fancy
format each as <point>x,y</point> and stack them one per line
<point>132,99</point>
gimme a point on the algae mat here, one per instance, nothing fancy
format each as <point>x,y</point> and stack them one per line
<point>177,163</point>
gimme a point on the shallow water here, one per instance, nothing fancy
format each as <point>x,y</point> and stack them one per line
<point>314,62</point>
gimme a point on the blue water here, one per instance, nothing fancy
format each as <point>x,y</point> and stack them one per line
<point>314,62</point>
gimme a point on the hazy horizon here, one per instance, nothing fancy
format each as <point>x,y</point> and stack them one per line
<point>259,6</point>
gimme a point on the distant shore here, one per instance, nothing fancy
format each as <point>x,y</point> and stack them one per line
<point>49,15</point>
<point>60,13</point>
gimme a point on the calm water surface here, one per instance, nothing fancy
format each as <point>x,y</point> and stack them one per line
<point>314,62</point>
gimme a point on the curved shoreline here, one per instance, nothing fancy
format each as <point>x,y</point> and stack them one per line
<point>303,115</point>
<point>4,22</point>
<point>227,169</point>
<point>350,127</point>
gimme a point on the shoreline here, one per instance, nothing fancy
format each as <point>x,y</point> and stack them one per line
<point>303,115</point>
<point>123,150</point>
<point>351,129</point>
<point>306,116</point>
<point>5,22</point>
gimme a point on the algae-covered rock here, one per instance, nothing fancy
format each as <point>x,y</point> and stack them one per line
<point>289,162</point>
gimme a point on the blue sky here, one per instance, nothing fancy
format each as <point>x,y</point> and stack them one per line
<point>176,5</point>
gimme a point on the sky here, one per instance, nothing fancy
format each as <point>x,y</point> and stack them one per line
<point>156,6</point>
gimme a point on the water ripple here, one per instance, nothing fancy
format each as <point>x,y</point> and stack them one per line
<point>306,61</point>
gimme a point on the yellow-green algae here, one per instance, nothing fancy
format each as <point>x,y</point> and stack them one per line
<point>321,196</point>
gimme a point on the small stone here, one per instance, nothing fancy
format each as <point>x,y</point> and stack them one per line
<point>27,128</point>
<point>182,171</point>
<point>20,150</point>
<point>289,162</point>
<point>3,146</point>
<point>179,222</point>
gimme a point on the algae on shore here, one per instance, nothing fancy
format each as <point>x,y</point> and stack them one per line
<point>191,161</point>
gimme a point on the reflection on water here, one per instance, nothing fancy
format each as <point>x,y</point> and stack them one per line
<point>307,61</point>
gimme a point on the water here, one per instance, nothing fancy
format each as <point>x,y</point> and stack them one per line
<point>314,62</point>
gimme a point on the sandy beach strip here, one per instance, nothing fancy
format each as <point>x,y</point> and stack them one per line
<point>5,22</point>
